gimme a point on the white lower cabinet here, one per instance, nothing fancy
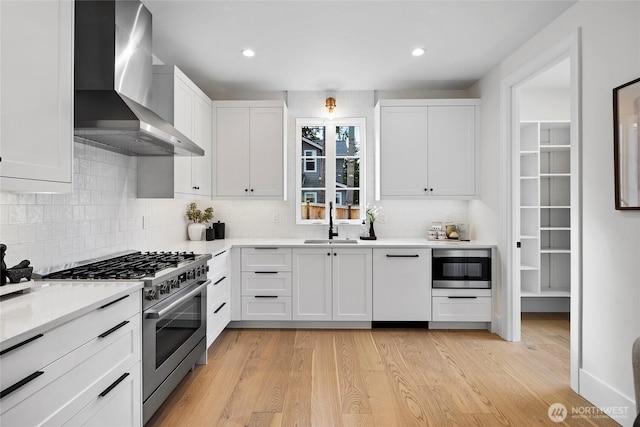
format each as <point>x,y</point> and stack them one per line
<point>312,284</point>
<point>218,296</point>
<point>332,284</point>
<point>402,285</point>
<point>260,307</point>
<point>461,305</point>
<point>78,383</point>
<point>266,283</point>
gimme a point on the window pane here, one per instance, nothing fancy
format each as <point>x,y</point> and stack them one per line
<point>347,140</point>
<point>347,204</point>
<point>313,204</point>
<point>347,172</point>
<point>313,138</point>
<point>313,172</point>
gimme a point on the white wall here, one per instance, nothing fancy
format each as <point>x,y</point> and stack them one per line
<point>611,239</point>
<point>545,104</point>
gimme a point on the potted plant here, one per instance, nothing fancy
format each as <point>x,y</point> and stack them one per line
<point>198,219</point>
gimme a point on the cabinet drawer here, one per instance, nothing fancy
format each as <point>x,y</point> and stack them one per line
<point>40,352</point>
<point>266,259</point>
<point>114,401</point>
<point>219,262</point>
<point>272,308</point>
<point>461,309</point>
<point>266,283</point>
<point>217,319</point>
<point>71,382</point>
<point>219,289</point>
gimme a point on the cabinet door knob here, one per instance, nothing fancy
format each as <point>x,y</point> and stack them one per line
<point>246,189</point>
<point>328,254</point>
<point>252,190</point>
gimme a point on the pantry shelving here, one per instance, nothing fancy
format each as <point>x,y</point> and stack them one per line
<point>545,209</point>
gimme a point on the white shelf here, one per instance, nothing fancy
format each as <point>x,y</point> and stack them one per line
<point>545,231</point>
<point>555,251</point>
<point>556,292</point>
<point>554,175</point>
<point>555,147</point>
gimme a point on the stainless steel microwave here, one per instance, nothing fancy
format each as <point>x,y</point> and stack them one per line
<point>461,268</point>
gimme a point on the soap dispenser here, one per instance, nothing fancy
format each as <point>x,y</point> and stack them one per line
<point>364,231</point>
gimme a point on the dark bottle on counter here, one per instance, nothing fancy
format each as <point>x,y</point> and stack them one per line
<point>3,269</point>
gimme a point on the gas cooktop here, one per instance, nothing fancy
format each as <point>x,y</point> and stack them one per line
<point>130,266</point>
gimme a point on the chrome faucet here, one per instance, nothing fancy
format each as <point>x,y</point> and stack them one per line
<point>331,233</point>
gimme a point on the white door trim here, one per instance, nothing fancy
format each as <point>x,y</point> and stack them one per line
<point>510,329</point>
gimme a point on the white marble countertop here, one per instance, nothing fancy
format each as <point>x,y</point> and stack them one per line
<point>50,304</point>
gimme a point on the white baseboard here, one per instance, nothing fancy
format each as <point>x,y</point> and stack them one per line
<point>611,402</point>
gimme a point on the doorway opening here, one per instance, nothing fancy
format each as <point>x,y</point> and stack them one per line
<point>544,209</point>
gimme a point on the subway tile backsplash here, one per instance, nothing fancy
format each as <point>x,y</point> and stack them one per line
<point>100,217</point>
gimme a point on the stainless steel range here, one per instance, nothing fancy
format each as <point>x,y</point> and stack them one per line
<point>173,312</point>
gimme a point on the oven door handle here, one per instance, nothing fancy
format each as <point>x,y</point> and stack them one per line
<point>158,313</point>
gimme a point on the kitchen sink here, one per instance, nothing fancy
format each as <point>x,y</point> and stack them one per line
<point>329,242</point>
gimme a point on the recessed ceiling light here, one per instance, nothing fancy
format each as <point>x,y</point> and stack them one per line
<point>418,51</point>
<point>248,53</point>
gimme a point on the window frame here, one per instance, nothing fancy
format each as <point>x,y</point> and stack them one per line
<point>330,159</point>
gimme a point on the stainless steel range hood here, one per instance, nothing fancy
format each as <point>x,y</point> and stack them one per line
<point>113,72</point>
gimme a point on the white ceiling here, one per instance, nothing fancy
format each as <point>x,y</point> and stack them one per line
<point>342,45</point>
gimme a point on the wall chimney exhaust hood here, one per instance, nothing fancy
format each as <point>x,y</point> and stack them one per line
<point>113,73</point>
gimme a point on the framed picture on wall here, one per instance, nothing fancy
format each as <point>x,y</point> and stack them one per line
<point>626,144</point>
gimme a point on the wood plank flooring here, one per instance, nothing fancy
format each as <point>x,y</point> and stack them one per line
<point>380,377</point>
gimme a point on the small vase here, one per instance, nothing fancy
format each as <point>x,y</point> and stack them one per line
<point>372,233</point>
<point>195,231</point>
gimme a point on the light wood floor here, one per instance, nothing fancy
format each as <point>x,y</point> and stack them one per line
<point>379,377</point>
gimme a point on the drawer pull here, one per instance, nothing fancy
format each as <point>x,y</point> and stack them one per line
<point>113,302</point>
<point>462,297</point>
<point>20,383</point>
<point>115,383</point>
<point>266,272</point>
<point>220,308</point>
<point>27,341</point>
<point>266,296</point>
<point>112,330</point>
<point>220,280</point>
<point>266,247</point>
<point>218,254</point>
<point>403,256</point>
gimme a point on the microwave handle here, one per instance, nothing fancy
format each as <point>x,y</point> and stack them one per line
<point>158,313</point>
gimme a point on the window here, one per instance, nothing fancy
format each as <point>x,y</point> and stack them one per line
<point>310,196</point>
<point>329,167</point>
<point>310,164</point>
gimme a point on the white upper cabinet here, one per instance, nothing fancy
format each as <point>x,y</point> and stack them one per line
<point>36,100</point>
<point>178,100</point>
<point>426,148</point>
<point>249,143</point>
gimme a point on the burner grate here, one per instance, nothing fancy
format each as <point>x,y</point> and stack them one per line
<point>132,266</point>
